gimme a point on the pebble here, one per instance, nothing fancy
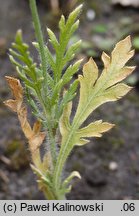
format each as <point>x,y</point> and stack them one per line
<point>134,3</point>
<point>3,45</point>
<point>113,166</point>
<point>90,15</point>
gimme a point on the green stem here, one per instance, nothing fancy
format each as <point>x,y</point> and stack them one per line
<point>50,195</point>
<point>50,130</point>
<point>65,150</point>
<point>39,37</point>
<point>40,40</point>
<point>38,32</point>
<point>52,142</point>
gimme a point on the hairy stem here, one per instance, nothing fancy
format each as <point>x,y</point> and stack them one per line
<point>40,40</point>
<point>50,130</point>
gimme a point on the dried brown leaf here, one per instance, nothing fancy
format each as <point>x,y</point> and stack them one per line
<point>34,136</point>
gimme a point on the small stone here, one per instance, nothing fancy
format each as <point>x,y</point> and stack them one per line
<point>134,3</point>
<point>3,42</point>
<point>113,166</point>
<point>3,45</point>
<point>90,15</point>
<point>127,198</point>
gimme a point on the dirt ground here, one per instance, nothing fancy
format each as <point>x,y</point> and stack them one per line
<point>109,166</point>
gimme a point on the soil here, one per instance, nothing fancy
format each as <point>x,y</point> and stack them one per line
<point>109,166</point>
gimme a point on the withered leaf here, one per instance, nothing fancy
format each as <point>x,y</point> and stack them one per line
<point>34,136</point>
